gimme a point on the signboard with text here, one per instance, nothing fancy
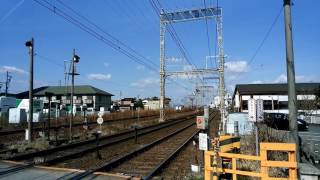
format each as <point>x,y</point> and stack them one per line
<point>252,113</point>
<point>203,141</point>
<point>260,113</point>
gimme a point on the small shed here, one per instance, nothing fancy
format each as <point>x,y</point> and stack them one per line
<point>245,127</point>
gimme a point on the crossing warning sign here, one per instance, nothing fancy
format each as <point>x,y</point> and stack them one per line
<point>201,123</point>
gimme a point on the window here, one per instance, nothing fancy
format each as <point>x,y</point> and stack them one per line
<point>267,104</point>
<point>283,105</point>
<point>244,105</point>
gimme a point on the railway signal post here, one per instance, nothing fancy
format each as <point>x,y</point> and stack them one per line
<point>75,59</point>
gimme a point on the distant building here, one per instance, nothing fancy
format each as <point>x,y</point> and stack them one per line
<point>127,104</point>
<point>8,95</point>
<point>275,97</point>
<point>154,103</point>
<point>84,95</point>
<point>216,101</point>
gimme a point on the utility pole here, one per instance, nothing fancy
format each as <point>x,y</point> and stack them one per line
<point>292,97</point>
<point>75,59</point>
<point>30,45</point>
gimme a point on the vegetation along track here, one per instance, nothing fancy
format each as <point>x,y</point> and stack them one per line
<point>147,160</point>
<point>14,135</point>
<point>59,154</point>
<point>39,126</point>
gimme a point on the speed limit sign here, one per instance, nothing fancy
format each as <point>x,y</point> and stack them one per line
<point>100,120</point>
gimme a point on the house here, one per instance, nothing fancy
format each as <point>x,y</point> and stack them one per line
<point>154,103</point>
<point>275,97</point>
<point>84,96</point>
<point>127,104</point>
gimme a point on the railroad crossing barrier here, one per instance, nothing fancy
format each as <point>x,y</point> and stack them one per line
<point>212,170</point>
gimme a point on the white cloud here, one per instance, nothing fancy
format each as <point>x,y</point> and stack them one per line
<point>174,59</point>
<point>188,67</point>
<point>282,78</point>
<point>101,77</point>
<point>237,66</point>
<point>140,67</point>
<point>257,82</point>
<point>12,69</point>
<point>146,82</point>
<point>106,64</point>
<point>299,78</point>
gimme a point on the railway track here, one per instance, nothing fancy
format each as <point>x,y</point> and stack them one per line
<point>159,166</point>
<point>179,167</point>
<point>149,159</point>
<point>59,154</point>
<point>39,126</point>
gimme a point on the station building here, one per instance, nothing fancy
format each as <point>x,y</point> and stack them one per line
<point>275,97</point>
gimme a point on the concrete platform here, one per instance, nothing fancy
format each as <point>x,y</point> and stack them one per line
<point>49,173</point>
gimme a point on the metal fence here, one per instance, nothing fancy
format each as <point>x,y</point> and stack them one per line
<point>312,119</point>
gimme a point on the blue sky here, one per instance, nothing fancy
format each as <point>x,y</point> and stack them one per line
<point>245,23</point>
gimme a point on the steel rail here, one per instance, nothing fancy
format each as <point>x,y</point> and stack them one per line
<point>169,158</point>
<point>127,133</point>
<point>148,129</point>
<point>173,154</point>
<point>109,165</point>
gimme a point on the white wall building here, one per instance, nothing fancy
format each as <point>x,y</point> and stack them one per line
<point>275,98</point>
<point>154,104</point>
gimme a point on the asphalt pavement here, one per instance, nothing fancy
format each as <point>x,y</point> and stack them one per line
<point>311,142</point>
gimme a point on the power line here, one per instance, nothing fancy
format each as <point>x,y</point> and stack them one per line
<point>106,33</point>
<point>138,58</point>
<point>265,37</point>
<point>207,30</point>
<point>48,60</point>
<point>11,11</point>
<point>216,38</point>
<point>93,33</point>
<point>157,6</point>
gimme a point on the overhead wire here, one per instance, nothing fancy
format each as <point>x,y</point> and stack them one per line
<point>207,30</point>
<point>265,37</point>
<point>98,36</point>
<point>216,38</point>
<point>48,60</point>
<point>156,5</point>
<point>11,11</point>
<point>106,33</point>
<point>93,33</point>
